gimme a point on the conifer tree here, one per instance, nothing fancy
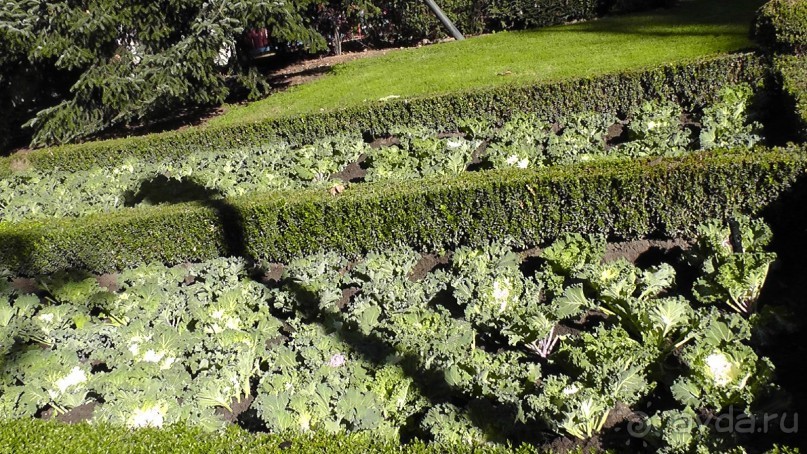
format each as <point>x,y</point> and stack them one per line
<point>73,68</point>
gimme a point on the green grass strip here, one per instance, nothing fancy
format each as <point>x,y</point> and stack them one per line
<point>626,199</point>
<point>689,30</point>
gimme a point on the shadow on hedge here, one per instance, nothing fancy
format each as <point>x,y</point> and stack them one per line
<point>162,190</point>
<point>784,215</point>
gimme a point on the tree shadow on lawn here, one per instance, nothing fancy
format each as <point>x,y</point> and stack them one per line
<point>701,18</point>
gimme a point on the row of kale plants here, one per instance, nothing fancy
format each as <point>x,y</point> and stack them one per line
<point>476,345</point>
<point>657,128</point>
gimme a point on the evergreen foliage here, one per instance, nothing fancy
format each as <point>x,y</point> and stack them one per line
<point>84,66</point>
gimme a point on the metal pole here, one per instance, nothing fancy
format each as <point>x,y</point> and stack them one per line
<point>445,20</point>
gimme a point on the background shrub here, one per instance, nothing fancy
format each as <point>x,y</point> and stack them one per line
<point>782,25</point>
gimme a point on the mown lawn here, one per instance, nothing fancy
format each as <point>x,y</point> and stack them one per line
<point>692,29</point>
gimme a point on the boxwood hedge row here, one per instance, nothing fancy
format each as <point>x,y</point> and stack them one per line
<point>625,199</point>
<point>782,25</point>
<point>36,436</point>
<point>411,20</point>
<point>793,73</point>
<point>692,84</point>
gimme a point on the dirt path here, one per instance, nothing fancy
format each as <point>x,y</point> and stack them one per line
<point>312,69</point>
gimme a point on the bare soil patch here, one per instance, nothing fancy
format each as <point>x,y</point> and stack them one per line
<point>311,69</point>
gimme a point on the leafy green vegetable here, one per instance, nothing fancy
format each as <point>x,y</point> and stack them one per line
<point>523,141</point>
<point>734,264</point>
<point>474,350</point>
<point>726,124</point>
<point>572,252</point>
<point>586,418</point>
<point>656,126</point>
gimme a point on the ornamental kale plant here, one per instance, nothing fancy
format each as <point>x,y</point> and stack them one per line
<point>734,264</point>
<point>723,370</point>
<point>147,351</point>
<point>656,128</point>
<point>419,153</point>
<point>520,142</point>
<point>316,382</point>
<point>582,138</point>
<point>479,345</point>
<point>525,141</point>
<point>726,124</point>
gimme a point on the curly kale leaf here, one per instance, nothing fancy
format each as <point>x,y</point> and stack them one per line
<point>571,252</point>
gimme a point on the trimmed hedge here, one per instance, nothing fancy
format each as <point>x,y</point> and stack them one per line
<point>625,199</point>
<point>793,73</point>
<point>407,21</point>
<point>36,436</point>
<point>477,16</point>
<point>692,84</point>
<point>782,25</point>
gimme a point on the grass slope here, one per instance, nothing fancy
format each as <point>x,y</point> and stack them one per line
<point>692,29</point>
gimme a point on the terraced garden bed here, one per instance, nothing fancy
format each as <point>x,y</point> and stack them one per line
<point>474,345</point>
<point>607,262</point>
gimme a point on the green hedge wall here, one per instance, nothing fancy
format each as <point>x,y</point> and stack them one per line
<point>516,14</point>
<point>406,21</point>
<point>36,436</point>
<point>793,73</point>
<point>691,84</point>
<point>626,199</point>
<point>782,25</point>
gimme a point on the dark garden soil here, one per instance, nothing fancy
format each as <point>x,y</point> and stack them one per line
<point>565,445</point>
<point>238,407</point>
<point>638,251</point>
<point>76,415</point>
<point>427,264</point>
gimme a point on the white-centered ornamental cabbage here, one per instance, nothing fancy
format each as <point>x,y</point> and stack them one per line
<point>168,362</point>
<point>153,357</point>
<point>501,292</point>
<point>337,360</point>
<point>452,144</point>
<point>217,314</point>
<point>571,389</point>
<point>151,416</point>
<point>74,378</point>
<point>517,161</point>
<point>229,322</point>
<point>233,323</point>
<point>720,369</point>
